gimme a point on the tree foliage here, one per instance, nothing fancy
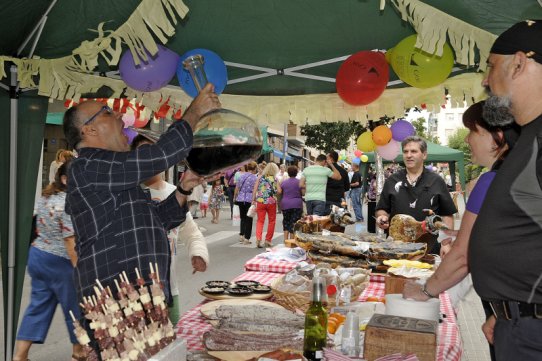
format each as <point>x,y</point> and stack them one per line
<point>419,125</point>
<point>457,141</point>
<point>330,136</point>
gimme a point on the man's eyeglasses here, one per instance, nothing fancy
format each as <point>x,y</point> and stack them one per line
<point>105,108</point>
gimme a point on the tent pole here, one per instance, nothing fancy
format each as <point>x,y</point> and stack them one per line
<point>285,144</point>
<point>39,25</point>
<point>12,210</point>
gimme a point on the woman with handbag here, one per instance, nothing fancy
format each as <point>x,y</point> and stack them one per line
<point>243,198</point>
<point>291,202</point>
<point>264,196</point>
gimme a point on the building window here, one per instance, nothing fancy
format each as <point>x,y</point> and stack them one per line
<point>450,117</point>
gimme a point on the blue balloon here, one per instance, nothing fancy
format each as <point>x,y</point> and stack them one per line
<point>356,160</point>
<point>215,70</point>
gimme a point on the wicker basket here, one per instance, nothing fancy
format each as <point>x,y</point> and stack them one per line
<point>301,300</point>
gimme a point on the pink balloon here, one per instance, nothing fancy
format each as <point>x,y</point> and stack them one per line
<point>128,120</point>
<point>389,151</point>
<point>357,153</point>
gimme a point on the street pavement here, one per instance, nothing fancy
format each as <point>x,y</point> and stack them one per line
<point>227,260</point>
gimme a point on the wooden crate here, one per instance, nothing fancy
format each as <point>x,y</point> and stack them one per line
<point>290,243</point>
<point>386,335</point>
<point>395,284</point>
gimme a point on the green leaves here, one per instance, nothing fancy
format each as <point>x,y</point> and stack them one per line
<point>331,136</point>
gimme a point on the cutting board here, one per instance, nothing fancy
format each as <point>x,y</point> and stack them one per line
<point>208,309</point>
<point>225,296</point>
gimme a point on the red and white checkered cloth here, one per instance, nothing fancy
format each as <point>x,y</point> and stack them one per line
<point>260,264</point>
<point>193,325</point>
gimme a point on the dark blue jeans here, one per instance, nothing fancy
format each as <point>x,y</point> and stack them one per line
<point>355,195</point>
<point>52,284</point>
<point>317,208</point>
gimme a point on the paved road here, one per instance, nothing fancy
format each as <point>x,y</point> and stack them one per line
<point>227,259</point>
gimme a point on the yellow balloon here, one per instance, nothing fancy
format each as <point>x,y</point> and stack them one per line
<point>418,68</point>
<point>365,142</point>
<point>388,55</point>
<point>364,158</point>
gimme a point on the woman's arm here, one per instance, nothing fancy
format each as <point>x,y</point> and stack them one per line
<point>279,188</point>
<point>302,185</point>
<point>69,243</point>
<point>255,189</point>
<point>452,269</point>
<point>195,242</point>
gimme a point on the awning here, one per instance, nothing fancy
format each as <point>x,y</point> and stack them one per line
<point>280,154</point>
<point>296,156</point>
<point>54,118</point>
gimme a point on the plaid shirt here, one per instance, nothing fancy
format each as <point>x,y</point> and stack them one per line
<point>117,225</point>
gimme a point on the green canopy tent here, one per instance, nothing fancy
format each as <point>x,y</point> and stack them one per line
<point>437,153</point>
<point>282,58</point>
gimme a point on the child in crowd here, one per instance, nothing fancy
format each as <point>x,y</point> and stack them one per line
<point>215,200</point>
<point>204,203</point>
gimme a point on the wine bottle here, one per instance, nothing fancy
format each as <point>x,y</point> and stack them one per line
<point>316,322</point>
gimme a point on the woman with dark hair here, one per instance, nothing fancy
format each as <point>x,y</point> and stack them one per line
<point>50,265</point>
<point>489,146</point>
<point>243,198</point>
<point>291,202</point>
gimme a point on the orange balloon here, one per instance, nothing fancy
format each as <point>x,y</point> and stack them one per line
<point>382,135</point>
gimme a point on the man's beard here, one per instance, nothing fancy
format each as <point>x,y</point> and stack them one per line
<point>497,111</point>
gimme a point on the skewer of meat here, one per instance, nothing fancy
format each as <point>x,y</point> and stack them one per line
<point>144,296</point>
<point>83,339</point>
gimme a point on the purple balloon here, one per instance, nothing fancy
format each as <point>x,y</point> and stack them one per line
<point>152,75</point>
<point>130,133</point>
<point>401,129</point>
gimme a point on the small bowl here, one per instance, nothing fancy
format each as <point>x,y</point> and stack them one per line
<point>213,290</point>
<point>247,283</point>
<point>261,289</point>
<point>223,284</point>
<point>239,291</point>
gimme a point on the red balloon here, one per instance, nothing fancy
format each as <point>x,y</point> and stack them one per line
<point>140,122</point>
<point>362,78</point>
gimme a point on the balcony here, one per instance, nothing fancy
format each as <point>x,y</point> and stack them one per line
<point>294,135</point>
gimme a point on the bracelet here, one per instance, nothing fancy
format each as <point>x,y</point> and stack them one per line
<point>182,191</point>
<point>425,292</point>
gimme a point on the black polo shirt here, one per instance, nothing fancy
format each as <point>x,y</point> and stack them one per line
<point>430,192</point>
<point>335,188</point>
<point>505,248</point>
<point>356,178</point>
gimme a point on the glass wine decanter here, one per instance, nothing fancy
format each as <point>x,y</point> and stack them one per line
<point>223,139</point>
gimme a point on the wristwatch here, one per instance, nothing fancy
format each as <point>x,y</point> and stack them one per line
<point>425,292</point>
<point>182,191</point>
